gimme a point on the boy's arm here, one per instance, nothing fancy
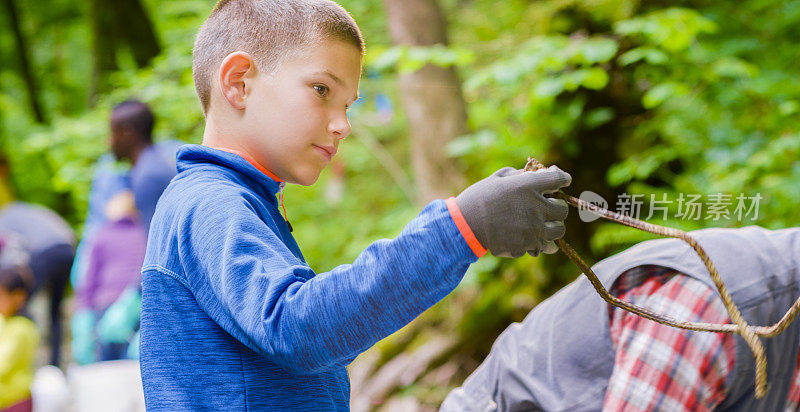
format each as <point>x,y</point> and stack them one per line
<point>249,282</point>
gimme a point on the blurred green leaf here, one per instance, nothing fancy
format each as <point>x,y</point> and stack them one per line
<point>598,50</point>
<point>660,93</point>
<point>648,54</point>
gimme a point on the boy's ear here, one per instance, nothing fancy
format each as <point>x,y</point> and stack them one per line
<point>233,72</point>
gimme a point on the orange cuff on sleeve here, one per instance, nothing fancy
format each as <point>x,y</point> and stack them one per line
<point>463,227</point>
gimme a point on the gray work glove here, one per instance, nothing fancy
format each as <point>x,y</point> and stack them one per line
<point>509,215</point>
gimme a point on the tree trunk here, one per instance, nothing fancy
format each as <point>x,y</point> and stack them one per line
<point>116,24</point>
<point>432,99</point>
<point>103,46</point>
<point>24,62</point>
<point>137,30</point>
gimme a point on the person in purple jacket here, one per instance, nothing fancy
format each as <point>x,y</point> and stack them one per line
<point>114,266</point>
<point>233,317</point>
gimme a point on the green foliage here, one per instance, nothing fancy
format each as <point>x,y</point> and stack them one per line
<point>673,29</point>
<point>53,164</point>
<point>410,59</point>
<point>720,109</point>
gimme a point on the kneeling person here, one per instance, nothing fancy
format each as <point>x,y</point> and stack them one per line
<point>575,352</point>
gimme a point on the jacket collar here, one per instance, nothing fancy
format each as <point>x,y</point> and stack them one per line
<point>191,155</point>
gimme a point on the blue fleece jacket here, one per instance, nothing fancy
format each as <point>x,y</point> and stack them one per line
<point>234,319</point>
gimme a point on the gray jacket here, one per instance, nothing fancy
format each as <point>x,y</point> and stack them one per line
<point>560,357</point>
<point>36,227</point>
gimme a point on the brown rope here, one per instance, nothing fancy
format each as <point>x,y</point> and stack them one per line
<point>749,333</point>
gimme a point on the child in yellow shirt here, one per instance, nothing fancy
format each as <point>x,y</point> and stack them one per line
<point>19,338</point>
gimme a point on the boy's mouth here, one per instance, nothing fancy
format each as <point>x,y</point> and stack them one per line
<point>327,151</point>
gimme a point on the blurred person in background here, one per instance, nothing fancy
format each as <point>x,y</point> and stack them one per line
<point>49,242</point>
<point>153,166</point>
<point>131,140</point>
<point>109,291</point>
<point>110,178</point>
<point>19,339</point>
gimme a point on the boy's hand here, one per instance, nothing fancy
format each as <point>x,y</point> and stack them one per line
<point>509,215</point>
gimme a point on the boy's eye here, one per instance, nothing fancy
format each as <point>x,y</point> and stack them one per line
<point>321,90</point>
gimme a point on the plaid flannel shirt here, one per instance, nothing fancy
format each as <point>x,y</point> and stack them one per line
<point>658,367</point>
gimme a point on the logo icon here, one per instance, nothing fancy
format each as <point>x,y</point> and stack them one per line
<point>592,198</point>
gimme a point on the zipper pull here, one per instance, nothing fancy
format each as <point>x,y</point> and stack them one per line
<point>280,195</point>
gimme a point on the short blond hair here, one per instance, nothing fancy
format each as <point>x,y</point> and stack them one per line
<point>268,30</point>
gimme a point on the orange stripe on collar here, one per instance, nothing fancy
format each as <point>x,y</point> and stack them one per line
<point>252,161</point>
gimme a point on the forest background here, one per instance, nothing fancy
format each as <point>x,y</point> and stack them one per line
<point>661,100</point>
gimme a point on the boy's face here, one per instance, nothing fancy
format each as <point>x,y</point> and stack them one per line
<point>296,116</point>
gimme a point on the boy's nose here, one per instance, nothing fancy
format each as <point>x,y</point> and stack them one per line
<point>339,127</point>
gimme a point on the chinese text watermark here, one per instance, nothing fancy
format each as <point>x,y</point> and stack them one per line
<point>714,207</point>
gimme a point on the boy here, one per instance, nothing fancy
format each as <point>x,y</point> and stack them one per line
<point>232,316</point>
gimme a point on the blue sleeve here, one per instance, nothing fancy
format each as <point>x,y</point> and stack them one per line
<point>247,280</point>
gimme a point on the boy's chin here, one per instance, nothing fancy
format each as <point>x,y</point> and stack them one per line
<point>307,179</point>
